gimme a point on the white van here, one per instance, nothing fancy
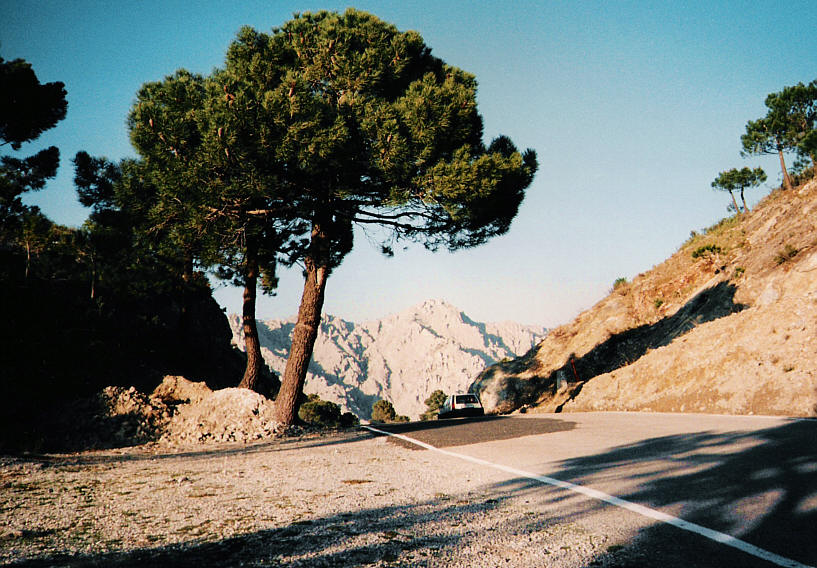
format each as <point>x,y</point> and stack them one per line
<point>465,404</point>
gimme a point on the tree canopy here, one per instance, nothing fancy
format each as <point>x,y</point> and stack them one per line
<point>791,116</point>
<point>331,121</point>
<point>738,180</point>
<point>27,109</point>
<point>808,148</point>
<point>207,196</point>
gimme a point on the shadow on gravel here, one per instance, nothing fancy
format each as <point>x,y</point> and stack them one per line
<point>367,537</point>
<point>760,487</point>
<point>464,431</point>
<point>145,453</point>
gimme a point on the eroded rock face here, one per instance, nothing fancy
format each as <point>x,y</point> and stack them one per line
<point>510,385</point>
<point>401,358</point>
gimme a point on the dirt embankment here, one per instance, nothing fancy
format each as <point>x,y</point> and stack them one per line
<point>725,325</point>
<point>177,413</point>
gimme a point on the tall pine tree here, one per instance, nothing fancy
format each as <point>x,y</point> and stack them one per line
<point>336,120</point>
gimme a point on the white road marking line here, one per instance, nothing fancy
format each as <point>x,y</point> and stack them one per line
<point>714,535</point>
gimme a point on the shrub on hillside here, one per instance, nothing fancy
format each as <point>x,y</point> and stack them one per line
<point>433,404</point>
<point>325,414</point>
<point>620,286</point>
<point>786,254</point>
<point>319,412</point>
<point>706,250</point>
<point>383,411</point>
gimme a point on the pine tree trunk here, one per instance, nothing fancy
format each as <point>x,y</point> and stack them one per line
<point>745,207</point>
<point>306,330</point>
<point>786,179</point>
<point>184,315</point>
<point>28,259</point>
<point>252,345</point>
<point>734,202</point>
<point>93,278</point>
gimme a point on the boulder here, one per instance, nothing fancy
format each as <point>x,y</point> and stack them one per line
<point>177,390</point>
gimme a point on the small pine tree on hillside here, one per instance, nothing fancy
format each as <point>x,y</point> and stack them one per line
<point>434,402</point>
<point>383,411</point>
<point>791,115</point>
<point>738,180</point>
<point>323,413</point>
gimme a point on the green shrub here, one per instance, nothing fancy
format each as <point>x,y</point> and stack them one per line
<point>619,283</point>
<point>383,411</point>
<point>658,303</point>
<point>317,412</point>
<point>706,250</point>
<point>349,420</point>
<point>739,271</point>
<point>433,403</point>
<point>787,253</point>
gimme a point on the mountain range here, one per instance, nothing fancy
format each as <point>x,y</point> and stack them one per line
<point>401,358</point>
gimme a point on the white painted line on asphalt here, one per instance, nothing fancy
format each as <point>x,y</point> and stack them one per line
<point>714,535</point>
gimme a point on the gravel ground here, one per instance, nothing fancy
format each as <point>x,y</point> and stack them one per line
<point>345,499</point>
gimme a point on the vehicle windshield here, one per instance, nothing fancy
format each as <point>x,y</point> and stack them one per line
<point>466,399</point>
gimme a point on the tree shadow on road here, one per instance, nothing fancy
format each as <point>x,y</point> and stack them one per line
<point>759,486</point>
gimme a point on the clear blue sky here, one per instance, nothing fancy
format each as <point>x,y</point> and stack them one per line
<point>633,108</point>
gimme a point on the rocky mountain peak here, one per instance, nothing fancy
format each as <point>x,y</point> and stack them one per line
<point>401,358</point>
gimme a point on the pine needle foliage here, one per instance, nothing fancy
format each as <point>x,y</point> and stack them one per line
<point>330,121</point>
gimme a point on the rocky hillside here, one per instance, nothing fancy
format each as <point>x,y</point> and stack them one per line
<point>402,358</point>
<point>728,324</point>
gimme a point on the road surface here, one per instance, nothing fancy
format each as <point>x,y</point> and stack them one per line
<point>704,490</point>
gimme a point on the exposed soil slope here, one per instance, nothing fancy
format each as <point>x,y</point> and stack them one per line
<point>725,325</point>
<point>177,413</point>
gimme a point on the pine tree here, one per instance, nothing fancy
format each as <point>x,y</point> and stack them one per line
<point>336,120</point>
<point>27,109</point>
<point>791,116</point>
<point>738,180</point>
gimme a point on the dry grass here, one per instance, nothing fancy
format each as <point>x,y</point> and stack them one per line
<point>758,255</point>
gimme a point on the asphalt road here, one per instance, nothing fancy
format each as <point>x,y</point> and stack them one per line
<point>751,478</point>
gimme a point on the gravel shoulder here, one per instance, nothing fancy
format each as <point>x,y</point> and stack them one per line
<point>342,499</point>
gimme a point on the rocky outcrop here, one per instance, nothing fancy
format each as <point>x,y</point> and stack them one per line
<point>725,325</point>
<point>401,358</point>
